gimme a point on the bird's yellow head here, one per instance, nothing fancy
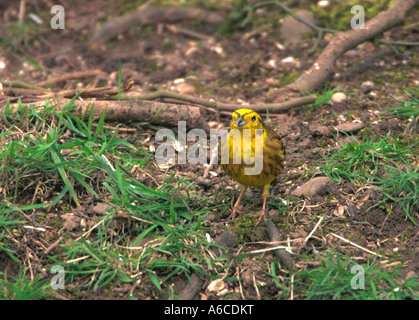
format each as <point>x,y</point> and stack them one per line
<point>246,119</point>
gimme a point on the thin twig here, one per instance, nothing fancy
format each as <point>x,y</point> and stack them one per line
<point>314,230</point>
<point>399,43</point>
<point>9,204</point>
<point>187,32</point>
<point>256,287</point>
<point>356,245</point>
<point>53,246</point>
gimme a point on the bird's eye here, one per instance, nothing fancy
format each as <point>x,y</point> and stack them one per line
<point>254,118</point>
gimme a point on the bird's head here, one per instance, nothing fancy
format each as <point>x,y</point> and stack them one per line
<point>246,119</point>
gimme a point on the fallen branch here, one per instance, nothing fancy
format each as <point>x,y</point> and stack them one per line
<point>150,15</point>
<point>220,106</point>
<point>138,110</point>
<point>322,69</point>
<point>31,95</point>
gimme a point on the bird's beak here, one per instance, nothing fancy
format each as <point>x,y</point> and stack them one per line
<point>241,122</point>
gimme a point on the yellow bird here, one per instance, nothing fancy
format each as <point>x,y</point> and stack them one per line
<point>255,157</point>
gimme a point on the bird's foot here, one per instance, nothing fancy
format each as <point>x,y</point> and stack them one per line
<point>233,214</point>
<point>261,215</point>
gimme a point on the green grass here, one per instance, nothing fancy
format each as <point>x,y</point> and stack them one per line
<point>9,221</point>
<point>78,160</point>
<point>408,109</point>
<point>386,163</point>
<point>359,160</point>
<point>20,288</point>
<point>334,279</point>
<point>380,162</point>
<point>401,186</point>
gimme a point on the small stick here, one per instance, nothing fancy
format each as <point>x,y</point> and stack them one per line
<point>18,209</point>
<point>22,11</point>
<point>356,245</point>
<point>399,43</point>
<point>269,249</point>
<point>189,33</point>
<point>256,287</point>
<point>314,229</point>
<point>53,246</point>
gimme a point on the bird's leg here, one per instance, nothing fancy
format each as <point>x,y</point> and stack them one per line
<point>236,206</point>
<point>262,212</point>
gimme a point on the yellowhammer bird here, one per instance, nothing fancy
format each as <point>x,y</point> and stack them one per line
<point>255,156</point>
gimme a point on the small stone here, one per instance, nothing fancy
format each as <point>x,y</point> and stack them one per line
<point>367,86</point>
<point>100,208</point>
<point>350,126</point>
<point>206,183</point>
<point>316,186</point>
<point>71,222</point>
<point>323,3</point>
<point>339,97</point>
<point>185,88</point>
<point>320,131</point>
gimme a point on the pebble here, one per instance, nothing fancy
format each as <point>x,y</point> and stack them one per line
<point>100,208</point>
<point>72,222</point>
<point>339,97</point>
<point>320,131</point>
<point>350,126</point>
<point>184,88</point>
<point>316,186</point>
<point>367,86</point>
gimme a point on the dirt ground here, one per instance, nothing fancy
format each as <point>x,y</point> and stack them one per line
<point>247,66</point>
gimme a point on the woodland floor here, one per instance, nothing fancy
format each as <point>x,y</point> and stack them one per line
<point>244,65</point>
